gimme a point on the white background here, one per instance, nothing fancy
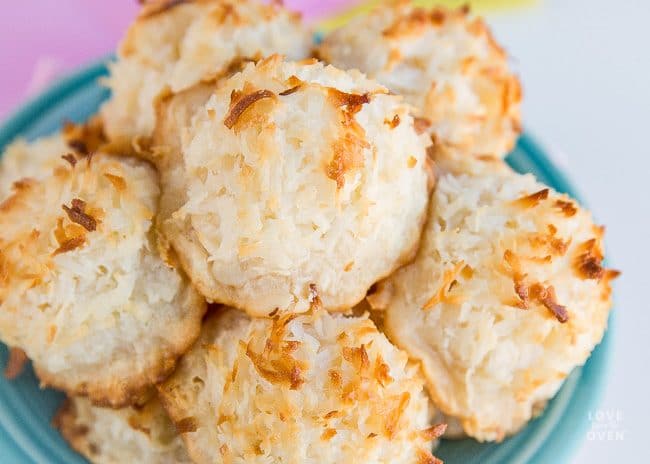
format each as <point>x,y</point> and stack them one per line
<point>585,67</point>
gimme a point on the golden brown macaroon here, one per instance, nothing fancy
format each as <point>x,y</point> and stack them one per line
<point>291,179</point>
<point>506,296</point>
<point>299,389</point>
<point>444,62</point>
<point>83,290</point>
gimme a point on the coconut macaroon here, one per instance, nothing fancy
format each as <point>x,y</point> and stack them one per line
<point>306,388</point>
<point>506,296</point>
<point>83,290</point>
<point>173,45</point>
<point>444,62</point>
<point>115,436</point>
<point>36,159</point>
<point>300,180</point>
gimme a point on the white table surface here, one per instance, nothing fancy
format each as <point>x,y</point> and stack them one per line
<point>585,67</point>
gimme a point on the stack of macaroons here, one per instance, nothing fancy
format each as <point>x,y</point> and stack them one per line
<point>373,263</point>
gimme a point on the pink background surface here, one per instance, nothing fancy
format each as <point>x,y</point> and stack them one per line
<point>42,39</point>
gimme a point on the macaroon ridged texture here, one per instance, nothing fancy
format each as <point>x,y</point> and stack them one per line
<point>506,296</point>
<point>121,436</point>
<point>445,63</point>
<point>301,180</point>
<point>174,45</point>
<point>83,291</point>
<point>299,389</point>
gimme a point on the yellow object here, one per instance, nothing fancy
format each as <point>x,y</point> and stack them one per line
<point>477,6</point>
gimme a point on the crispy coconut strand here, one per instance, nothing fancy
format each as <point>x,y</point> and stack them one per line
<point>118,436</point>
<point>37,159</point>
<point>506,296</point>
<point>293,182</point>
<point>83,290</point>
<point>310,388</point>
<point>444,62</point>
<point>174,45</point>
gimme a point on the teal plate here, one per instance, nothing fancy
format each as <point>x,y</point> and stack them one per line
<point>26,411</point>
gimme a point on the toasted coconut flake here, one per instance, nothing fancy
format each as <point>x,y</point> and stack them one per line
<point>547,297</point>
<point>588,263</point>
<point>382,372</point>
<point>187,425</point>
<point>442,295</point>
<point>549,241</point>
<point>522,291</point>
<point>314,298</point>
<point>348,155</point>
<point>435,431</point>
<point>532,200</point>
<point>282,369</point>
<point>536,292</point>
<point>331,415</point>
<point>358,357</point>
<point>240,103</point>
<point>568,208</point>
<point>70,244</point>
<point>393,123</point>
<point>291,90</point>
<point>77,214</point>
<point>411,24</point>
<point>15,363</point>
<point>328,434</point>
<point>118,182</point>
<point>352,101</point>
